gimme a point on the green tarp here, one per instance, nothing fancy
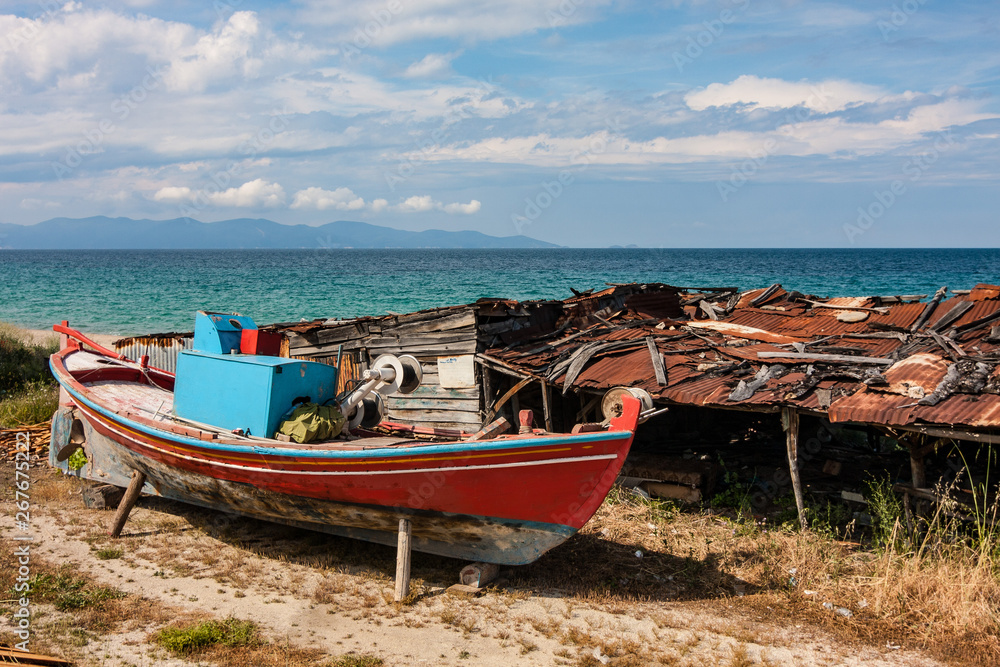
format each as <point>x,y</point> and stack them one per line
<point>310,422</point>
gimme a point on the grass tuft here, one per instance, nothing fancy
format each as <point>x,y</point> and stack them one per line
<point>109,553</point>
<point>28,393</point>
<point>67,592</point>
<point>231,633</point>
<point>32,403</point>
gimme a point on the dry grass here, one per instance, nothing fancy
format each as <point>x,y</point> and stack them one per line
<point>944,597</point>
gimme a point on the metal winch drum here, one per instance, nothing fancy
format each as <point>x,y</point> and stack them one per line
<point>389,374</point>
<point>611,404</point>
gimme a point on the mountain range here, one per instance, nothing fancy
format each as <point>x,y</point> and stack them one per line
<point>101,232</point>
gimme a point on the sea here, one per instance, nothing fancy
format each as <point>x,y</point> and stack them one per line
<point>132,292</point>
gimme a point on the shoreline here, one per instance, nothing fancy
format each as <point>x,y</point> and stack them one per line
<point>38,336</point>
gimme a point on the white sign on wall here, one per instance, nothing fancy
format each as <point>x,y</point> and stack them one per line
<point>457,372</point>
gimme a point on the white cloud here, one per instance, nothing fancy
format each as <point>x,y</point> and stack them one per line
<point>217,56</point>
<point>416,204</point>
<point>425,203</point>
<point>463,209</point>
<point>379,205</point>
<point>755,92</point>
<point>251,194</point>
<point>342,199</point>
<point>30,204</point>
<point>433,65</point>
<point>66,44</point>
<point>174,195</point>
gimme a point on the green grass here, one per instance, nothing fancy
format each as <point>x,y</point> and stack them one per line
<point>28,394</point>
<point>109,553</point>
<point>67,592</point>
<point>32,404</point>
<point>231,632</point>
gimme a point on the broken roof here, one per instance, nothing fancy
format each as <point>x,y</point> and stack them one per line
<point>893,361</point>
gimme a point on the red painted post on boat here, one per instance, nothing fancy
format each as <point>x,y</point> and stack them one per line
<point>527,420</point>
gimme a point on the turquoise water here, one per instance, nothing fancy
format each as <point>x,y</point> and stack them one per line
<point>133,291</point>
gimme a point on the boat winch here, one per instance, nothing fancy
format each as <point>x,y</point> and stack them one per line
<point>611,404</point>
<point>389,374</point>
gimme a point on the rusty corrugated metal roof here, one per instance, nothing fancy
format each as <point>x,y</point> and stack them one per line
<point>854,358</point>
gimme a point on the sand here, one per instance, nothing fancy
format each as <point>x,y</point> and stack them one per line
<point>194,561</point>
<point>41,336</point>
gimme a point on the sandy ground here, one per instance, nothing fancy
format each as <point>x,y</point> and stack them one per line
<point>317,591</point>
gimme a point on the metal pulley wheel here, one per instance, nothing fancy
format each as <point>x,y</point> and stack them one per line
<point>611,404</point>
<point>407,370</point>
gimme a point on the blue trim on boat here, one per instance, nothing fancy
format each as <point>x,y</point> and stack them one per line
<point>383,452</point>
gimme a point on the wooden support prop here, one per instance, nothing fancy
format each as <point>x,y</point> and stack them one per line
<point>403,560</point>
<point>918,471</point>
<point>128,502</point>
<point>790,422</point>
<point>547,406</point>
<point>506,397</point>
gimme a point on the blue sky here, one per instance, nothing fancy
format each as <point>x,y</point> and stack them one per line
<point>581,122</point>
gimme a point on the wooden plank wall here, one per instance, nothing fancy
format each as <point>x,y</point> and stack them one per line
<point>426,335</point>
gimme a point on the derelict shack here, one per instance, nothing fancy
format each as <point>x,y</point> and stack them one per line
<point>920,371</point>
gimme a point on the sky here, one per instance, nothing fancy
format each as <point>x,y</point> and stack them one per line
<point>586,123</point>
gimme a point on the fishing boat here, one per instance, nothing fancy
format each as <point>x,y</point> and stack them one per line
<point>205,435</point>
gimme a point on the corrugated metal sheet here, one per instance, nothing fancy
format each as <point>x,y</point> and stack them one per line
<point>706,359</point>
<point>161,349</point>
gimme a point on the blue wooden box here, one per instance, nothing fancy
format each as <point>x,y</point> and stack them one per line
<point>248,392</point>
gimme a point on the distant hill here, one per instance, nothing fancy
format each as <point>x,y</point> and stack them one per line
<point>101,232</point>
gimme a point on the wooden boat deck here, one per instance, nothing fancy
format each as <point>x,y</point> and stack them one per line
<point>157,404</point>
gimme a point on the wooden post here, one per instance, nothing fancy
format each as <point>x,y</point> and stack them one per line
<point>128,502</point>
<point>918,471</point>
<point>487,392</point>
<point>515,404</point>
<point>916,443</point>
<point>790,422</point>
<point>546,407</point>
<point>403,560</point>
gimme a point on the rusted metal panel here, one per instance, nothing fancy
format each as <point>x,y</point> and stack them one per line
<point>706,359</point>
<point>161,349</point>
<point>983,292</point>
